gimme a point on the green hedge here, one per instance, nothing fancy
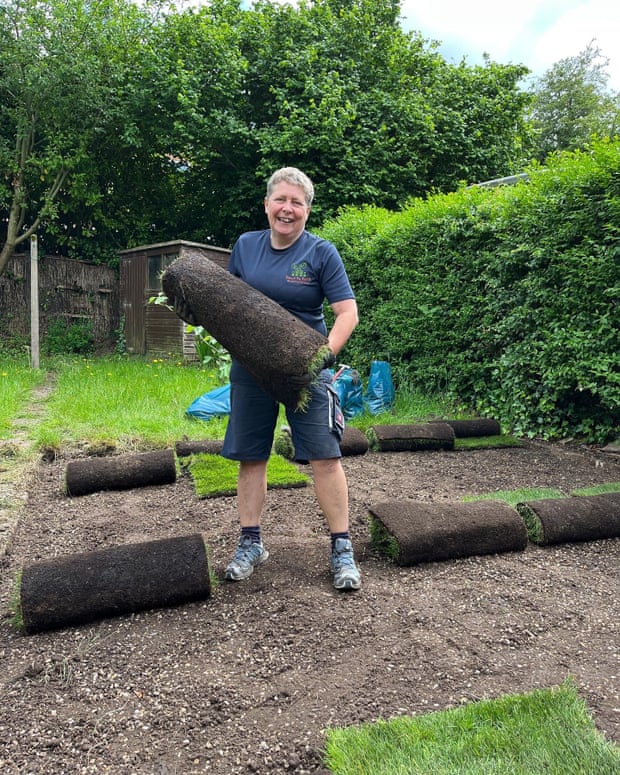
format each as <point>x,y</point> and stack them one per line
<point>506,298</point>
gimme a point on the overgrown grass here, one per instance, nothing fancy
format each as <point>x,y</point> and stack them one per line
<point>125,403</point>
<point>546,732</point>
<point>17,380</point>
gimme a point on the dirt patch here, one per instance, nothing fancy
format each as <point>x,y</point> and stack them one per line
<point>248,681</point>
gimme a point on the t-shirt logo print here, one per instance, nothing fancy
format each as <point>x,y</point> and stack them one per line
<point>299,273</point>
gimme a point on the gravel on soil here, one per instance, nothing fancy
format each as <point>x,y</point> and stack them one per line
<point>249,680</point>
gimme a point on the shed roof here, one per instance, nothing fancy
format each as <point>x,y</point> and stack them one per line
<point>172,243</point>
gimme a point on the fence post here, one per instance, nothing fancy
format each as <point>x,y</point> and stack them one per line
<point>34,302</point>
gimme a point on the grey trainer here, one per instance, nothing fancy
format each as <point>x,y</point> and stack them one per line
<point>346,573</point>
<point>248,555</point>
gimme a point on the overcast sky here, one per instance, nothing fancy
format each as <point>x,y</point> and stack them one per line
<point>536,33</point>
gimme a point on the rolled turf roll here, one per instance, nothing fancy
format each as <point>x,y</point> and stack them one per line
<point>410,438</point>
<point>353,442</point>
<point>270,342</point>
<point>283,443</point>
<point>120,472</point>
<point>205,447</point>
<point>480,426</point>
<point>575,518</point>
<point>79,588</point>
<point>414,532</point>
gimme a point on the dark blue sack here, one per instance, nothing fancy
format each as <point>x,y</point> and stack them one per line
<point>380,393</point>
<point>215,403</point>
<point>348,384</point>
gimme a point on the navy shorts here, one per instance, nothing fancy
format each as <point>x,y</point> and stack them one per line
<point>254,414</point>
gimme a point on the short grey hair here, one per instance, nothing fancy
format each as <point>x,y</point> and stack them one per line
<point>296,178</point>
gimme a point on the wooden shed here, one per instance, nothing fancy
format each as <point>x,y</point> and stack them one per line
<point>153,328</point>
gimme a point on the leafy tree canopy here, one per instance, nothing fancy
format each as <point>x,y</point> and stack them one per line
<point>122,124</point>
<point>572,103</point>
<point>64,67</point>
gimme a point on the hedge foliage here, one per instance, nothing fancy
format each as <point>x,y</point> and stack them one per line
<point>507,298</point>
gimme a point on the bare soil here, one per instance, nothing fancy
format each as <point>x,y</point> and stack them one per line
<point>249,680</point>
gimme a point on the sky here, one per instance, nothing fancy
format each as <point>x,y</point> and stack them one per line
<point>535,33</point>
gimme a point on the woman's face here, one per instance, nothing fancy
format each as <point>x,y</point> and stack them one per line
<point>287,213</point>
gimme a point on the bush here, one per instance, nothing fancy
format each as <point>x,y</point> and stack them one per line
<point>64,338</point>
<point>505,298</point>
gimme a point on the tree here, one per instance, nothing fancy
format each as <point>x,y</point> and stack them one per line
<point>202,72</point>
<point>120,127</point>
<point>572,103</point>
<point>63,66</point>
<point>373,114</point>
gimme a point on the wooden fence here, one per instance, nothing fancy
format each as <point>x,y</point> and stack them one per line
<point>76,291</point>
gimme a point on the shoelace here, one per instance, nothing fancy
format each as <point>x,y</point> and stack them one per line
<point>344,557</point>
<point>248,551</point>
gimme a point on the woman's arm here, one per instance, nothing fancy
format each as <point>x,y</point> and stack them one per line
<point>344,324</point>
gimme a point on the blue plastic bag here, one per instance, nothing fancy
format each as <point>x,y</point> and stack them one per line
<point>380,393</point>
<point>348,385</point>
<point>215,403</point>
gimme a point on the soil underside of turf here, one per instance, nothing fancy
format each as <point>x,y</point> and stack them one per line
<point>250,679</point>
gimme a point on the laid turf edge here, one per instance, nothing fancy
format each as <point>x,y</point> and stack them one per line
<point>513,497</point>
<point>486,442</point>
<point>598,489</point>
<point>15,607</point>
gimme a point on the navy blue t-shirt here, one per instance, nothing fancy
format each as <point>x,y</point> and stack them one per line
<point>299,277</point>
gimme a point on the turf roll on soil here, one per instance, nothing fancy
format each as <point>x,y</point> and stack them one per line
<point>79,588</point>
<point>206,447</point>
<point>464,429</point>
<point>415,532</point>
<point>575,518</point>
<point>120,472</point>
<point>270,342</point>
<point>353,442</point>
<point>411,438</point>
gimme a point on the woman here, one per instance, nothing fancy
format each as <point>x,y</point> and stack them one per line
<point>299,271</point>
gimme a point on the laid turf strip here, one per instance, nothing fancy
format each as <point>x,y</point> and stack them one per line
<point>205,447</point>
<point>467,443</point>
<point>425,532</point>
<point>544,732</point>
<point>479,426</point>
<point>79,588</point>
<point>215,476</point>
<point>410,438</point>
<point>576,518</point>
<point>270,342</point>
<point>120,472</point>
